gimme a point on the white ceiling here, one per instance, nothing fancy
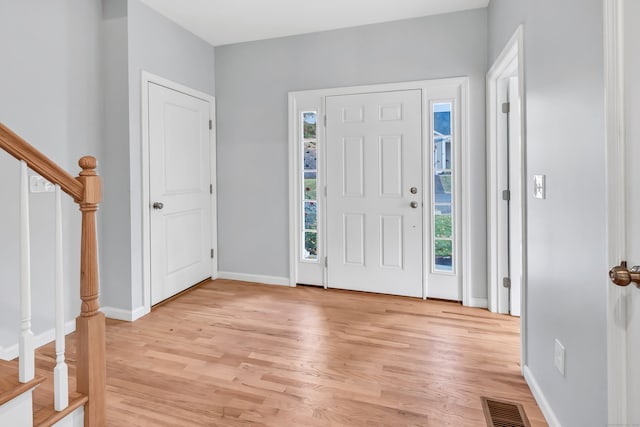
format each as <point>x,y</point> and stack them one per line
<point>233,21</point>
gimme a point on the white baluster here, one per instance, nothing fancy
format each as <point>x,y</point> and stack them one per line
<point>27,359</point>
<point>61,372</point>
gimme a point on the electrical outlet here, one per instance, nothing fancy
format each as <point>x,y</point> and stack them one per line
<point>559,357</point>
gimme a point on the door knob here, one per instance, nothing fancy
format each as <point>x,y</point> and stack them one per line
<point>620,276</point>
<point>414,205</point>
<point>158,205</point>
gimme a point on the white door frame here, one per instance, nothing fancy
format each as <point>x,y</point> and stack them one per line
<point>616,207</point>
<point>513,51</point>
<point>423,85</point>
<point>148,78</point>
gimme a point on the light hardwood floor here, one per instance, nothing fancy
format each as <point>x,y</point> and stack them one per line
<point>232,353</point>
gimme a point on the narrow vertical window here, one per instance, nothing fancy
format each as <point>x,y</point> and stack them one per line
<point>443,189</point>
<point>309,208</point>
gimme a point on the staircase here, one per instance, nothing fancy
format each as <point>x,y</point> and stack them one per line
<point>35,389</point>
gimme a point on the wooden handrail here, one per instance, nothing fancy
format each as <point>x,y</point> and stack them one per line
<point>90,325</point>
<point>38,162</point>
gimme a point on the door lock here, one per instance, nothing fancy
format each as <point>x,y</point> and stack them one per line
<point>158,205</point>
<point>413,190</point>
<point>620,276</point>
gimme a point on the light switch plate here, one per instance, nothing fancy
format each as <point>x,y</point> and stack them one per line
<point>539,190</point>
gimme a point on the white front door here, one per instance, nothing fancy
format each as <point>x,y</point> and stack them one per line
<point>179,190</point>
<point>374,192</point>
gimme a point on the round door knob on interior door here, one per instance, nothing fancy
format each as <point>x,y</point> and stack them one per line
<point>158,205</point>
<point>620,276</point>
<point>414,205</point>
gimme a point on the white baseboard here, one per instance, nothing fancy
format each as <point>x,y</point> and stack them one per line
<point>126,315</point>
<point>478,303</point>
<point>255,278</point>
<point>542,401</point>
<point>44,338</point>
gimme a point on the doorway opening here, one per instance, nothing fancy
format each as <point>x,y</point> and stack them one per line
<point>506,187</point>
<point>376,174</point>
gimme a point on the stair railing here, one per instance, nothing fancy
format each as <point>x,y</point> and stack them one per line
<point>90,325</point>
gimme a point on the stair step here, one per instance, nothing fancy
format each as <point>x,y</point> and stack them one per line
<point>10,387</point>
<point>47,416</point>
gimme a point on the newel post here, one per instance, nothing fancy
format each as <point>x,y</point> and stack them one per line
<point>90,325</point>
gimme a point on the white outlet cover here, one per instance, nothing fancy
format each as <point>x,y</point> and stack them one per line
<point>539,190</point>
<point>559,357</point>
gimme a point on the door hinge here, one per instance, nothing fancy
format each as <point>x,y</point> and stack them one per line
<point>325,191</point>
<point>326,261</point>
<point>506,282</point>
<point>325,120</point>
<point>210,188</point>
<point>506,195</point>
<point>212,253</point>
<point>210,124</point>
<point>506,107</point>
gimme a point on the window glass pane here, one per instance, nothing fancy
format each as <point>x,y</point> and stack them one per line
<point>443,225</point>
<point>310,245</point>
<point>310,155</point>
<point>443,250</point>
<point>310,209</point>
<point>443,187</point>
<point>310,188</point>
<point>309,129</point>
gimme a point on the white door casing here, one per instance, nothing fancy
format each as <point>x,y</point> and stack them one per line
<point>632,106</point>
<point>515,198</point>
<point>179,191</point>
<point>456,281</point>
<point>374,235</point>
<point>622,105</point>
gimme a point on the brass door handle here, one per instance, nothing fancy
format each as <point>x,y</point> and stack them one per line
<point>620,276</point>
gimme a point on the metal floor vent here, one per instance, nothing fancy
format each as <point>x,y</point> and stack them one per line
<point>502,413</point>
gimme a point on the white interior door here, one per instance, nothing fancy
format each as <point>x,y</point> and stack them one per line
<point>632,137</point>
<point>374,192</point>
<point>179,190</point>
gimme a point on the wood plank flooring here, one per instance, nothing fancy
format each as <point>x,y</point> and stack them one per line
<point>232,353</point>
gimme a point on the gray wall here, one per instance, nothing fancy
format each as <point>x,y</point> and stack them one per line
<point>159,46</point>
<point>567,281</point>
<point>49,84</point>
<point>115,237</point>
<point>136,38</point>
<point>252,81</point>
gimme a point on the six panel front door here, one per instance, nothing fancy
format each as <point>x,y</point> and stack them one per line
<point>374,192</point>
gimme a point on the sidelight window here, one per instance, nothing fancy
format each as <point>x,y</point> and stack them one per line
<point>443,226</point>
<point>309,208</point>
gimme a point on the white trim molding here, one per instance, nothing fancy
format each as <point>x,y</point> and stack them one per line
<point>147,78</point>
<point>254,278</point>
<point>125,315</point>
<point>44,338</point>
<point>541,400</point>
<point>513,52</point>
<point>616,207</point>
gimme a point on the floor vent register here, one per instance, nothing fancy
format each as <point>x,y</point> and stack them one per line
<point>502,413</point>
